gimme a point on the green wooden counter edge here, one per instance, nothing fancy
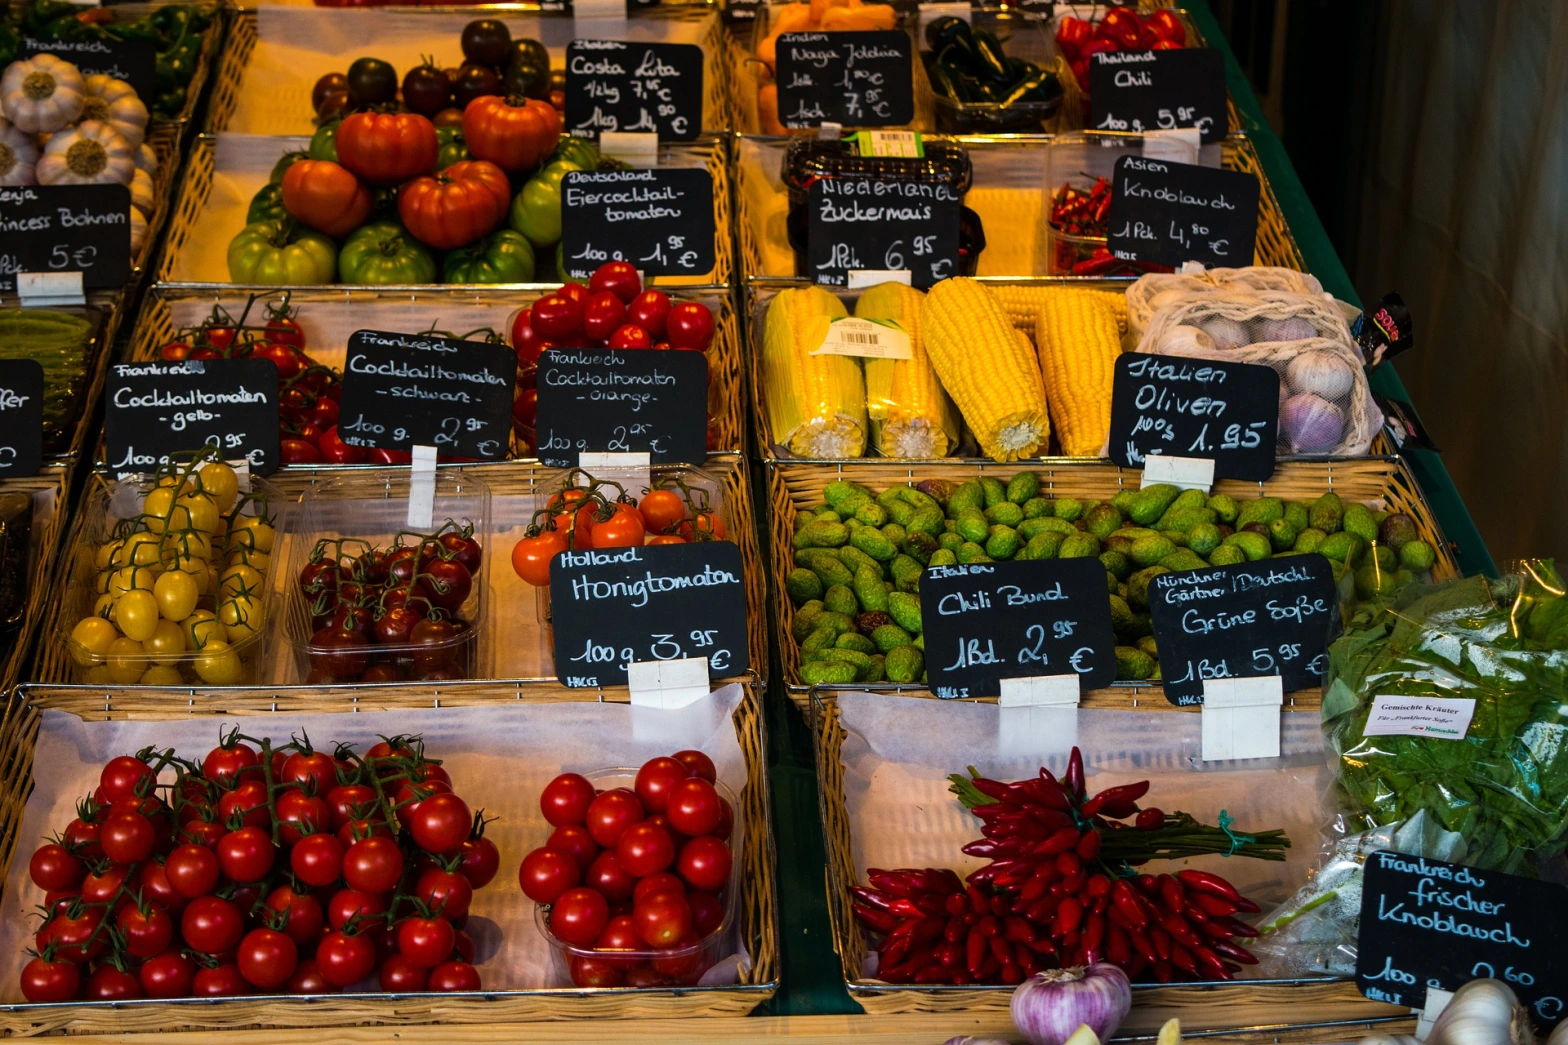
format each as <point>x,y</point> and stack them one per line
<point>1324,263</point>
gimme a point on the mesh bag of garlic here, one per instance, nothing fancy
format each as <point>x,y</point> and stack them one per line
<point>1325,406</point>
<point>1152,292</point>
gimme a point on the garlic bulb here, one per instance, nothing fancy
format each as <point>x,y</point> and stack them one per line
<point>1293,329</point>
<point>1184,341</point>
<point>1390,1039</point>
<point>964,1039</point>
<point>1560,1035</point>
<point>1483,1012</point>
<point>1310,424</point>
<point>1227,333</point>
<point>18,155</point>
<point>146,159</point>
<point>1321,372</point>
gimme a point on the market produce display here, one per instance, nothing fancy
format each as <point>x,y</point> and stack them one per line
<point>1078,219</point>
<point>176,31</point>
<point>635,881</point>
<point>181,592</point>
<point>970,67</point>
<point>62,343</point>
<point>1062,887</point>
<point>405,610</point>
<point>261,869</point>
<point>598,513</point>
<point>859,555</point>
<point>1116,29</point>
<point>820,16</point>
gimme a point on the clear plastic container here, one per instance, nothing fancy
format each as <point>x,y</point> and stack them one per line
<point>676,966</point>
<point>124,545</point>
<point>359,521</point>
<point>1025,37</point>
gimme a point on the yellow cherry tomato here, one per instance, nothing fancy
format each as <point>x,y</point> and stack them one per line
<point>200,510</point>
<point>255,531</point>
<point>220,483</point>
<point>157,507</point>
<point>176,593</point>
<point>132,578</point>
<point>141,549</point>
<point>241,617</point>
<point>200,628</point>
<point>188,544</point>
<point>161,675</point>
<point>166,643</point>
<point>105,555</point>
<point>255,558</point>
<point>127,660</point>
<point>218,664</point>
<point>98,675</point>
<point>103,606</point>
<point>136,612</point>
<point>239,579</point>
<point>90,640</point>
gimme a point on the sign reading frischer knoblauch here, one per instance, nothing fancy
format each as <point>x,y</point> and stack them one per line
<point>154,410</point>
<point>610,607</point>
<point>658,218</point>
<point>407,390</point>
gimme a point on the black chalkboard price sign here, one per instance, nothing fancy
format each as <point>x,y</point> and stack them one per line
<point>21,418</point>
<point>865,223</point>
<point>130,60</point>
<point>1228,412</point>
<point>1159,91</point>
<point>1427,923</point>
<point>988,621</point>
<point>66,228</point>
<point>618,85</point>
<point>406,390</point>
<point>157,409</point>
<point>607,401</point>
<point>612,606</point>
<point>863,78</point>
<point>658,218</point>
<point>1170,213</point>
<point>1270,617</point>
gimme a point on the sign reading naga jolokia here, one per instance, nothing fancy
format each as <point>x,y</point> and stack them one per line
<point>157,409</point>
<point>658,218</point>
<point>984,622</point>
<point>610,401</point>
<point>610,607</point>
<point>1227,412</point>
<point>21,417</point>
<point>1159,91</point>
<point>1270,617</point>
<point>1428,923</point>
<point>859,78</point>
<point>1170,213</point>
<point>406,390</point>
<point>630,87</point>
<point>860,223</point>
<point>66,228</point>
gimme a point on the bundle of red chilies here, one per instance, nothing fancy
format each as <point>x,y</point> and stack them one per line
<point>1061,890</point>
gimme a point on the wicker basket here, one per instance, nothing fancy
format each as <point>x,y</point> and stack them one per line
<point>1201,1007</point>
<point>758,900</point>
<point>54,479</point>
<point>165,310</point>
<point>791,487</point>
<point>53,665</point>
<point>555,32</point>
<point>764,254</point>
<point>190,214</point>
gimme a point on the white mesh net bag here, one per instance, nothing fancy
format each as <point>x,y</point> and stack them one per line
<point>1152,292</point>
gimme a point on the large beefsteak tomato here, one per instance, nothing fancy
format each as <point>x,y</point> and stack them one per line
<point>513,137</point>
<point>457,206</point>
<point>326,196</point>
<point>387,148</point>
<point>280,253</point>
<point>384,253</point>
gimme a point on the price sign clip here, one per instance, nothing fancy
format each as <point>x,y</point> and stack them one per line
<point>638,148</point>
<point>1241,717</point>
<point>1437,1000</point>
<point>632,470</point>
<point>422,488</point>
<point>1186,473</point>
<point>1038,714</point>
<point>50,289</point>
<point>667,684</point>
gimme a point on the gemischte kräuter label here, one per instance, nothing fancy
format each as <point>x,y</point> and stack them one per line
<point>154,410</point>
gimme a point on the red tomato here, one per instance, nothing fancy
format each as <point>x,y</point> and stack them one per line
<point>75,939</point>
<point>661,510</point>
<point>348,801</point>
<point>453,976</point>
<point>225,765</point>
<point>387,148</point>
<point>526,341</point>
<point>645,849</point>
<point>546,873</point>
<point>612,813</point>
<point>174,352</point>
<point>302,913</point>
<point>531,556</point>
<point>447,583</point>
<point>110,984</point>
<point>650,310</point>
<point>316,771</point>
<point>694,807</point>
<point>595,972</point>
<point>220,981</point>
<point>298,451</point>
<point>317,859</point>
<point>81,838</point>
<point>246,855</point>
<point>326,196</point>
<point>623,529</point>
<point>103,887</point>
<point>53,867</point>
<point>125,777</point>
<point>603,316</point>
<point>726,820</point>
<point>456,206</point>
<point>204,833</point>
<point>656,779</point>
<point>212,925</point>
<point>579,916</point>
<point>557,317</point>
<point>345,960</point>
<point>147,931</point>
<point>618,278</point>
<point>513,137</point>
<point>50,981</point>
<point>282,329</point>
<point>574,839</point>
<point>267,958</point>
<point>427,942</point>
<point>156,888</point>
<point>690,326</point>
<point>307,979</point>
<point>576,292</point>
<point>479,862</point>
<point>192,870</point>
<point>398,975</point>
<point>630,336</point>
<point>169,975</point>
<point>704,526</point>
<point>249,800</point>
<point>662,882</point>
<point>608,876</point>
<point>662,920</point>
<point>447,893</point>
<point>699,764</point>
<point>300,814</point>
<point>704,863</point>
<point>620,934</point>
<point>373,865</point>
<point>440,824</point>
<point>707,914</point>
<point>346,903</point>
<point>565,799</point>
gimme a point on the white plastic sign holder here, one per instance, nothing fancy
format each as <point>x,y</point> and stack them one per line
<point>1038,714</point>
<point>1241,718</point>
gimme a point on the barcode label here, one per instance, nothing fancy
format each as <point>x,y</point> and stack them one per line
<point>851,336</point>
<point>894,144</point>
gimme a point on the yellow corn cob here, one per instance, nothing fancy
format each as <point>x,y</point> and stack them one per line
<point>1078,342</point>
<point>1023,303</point>
<point>986,367</point>
<point>910,414</point>
<point>816,403</point>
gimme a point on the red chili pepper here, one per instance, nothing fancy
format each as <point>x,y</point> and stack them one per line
<point>1213,884</point>
<point>1057,842</point>
<point>1126,901</point>
<point>956,904</point>
<point>1150,820</point>
<point>1213,906</point>
<point>992,811</point>
<point>1074,779</point>
<point>1017,930</point>
<point>894,883</point>
<point>1211,963</point>
<point>1183,959</point>
<point>1194,914</point>
<point>988,926</point>
<point>1033,889</point>
<point>974,951</point>
<point>1162,942</point>
<point>893,952</point>
<point>1143,945</point>
<point>985,848</point>
<point>879,920</point>
<point>1048,791</point>
<point>871,897</point>
<point>956,929</point>
<point>1099,885</point>
<point>1118,949</point>
<point>977,897</point>
<point>1119,795</point>
<point>1042,910</point>
<point>1162,971</point>
<point>1180,931</point>
<point>1094,931</point>
<point>1027,962</point>
<point>1237,928</point>
<point>905,909</point>
<point>936,973</point>
<point>992,789</point>
<point>928,928</point>
<point>1246,905</point>
<point>1149,884</point>
<point>1068,863</point>
<point>1068,916</point>
<point>1088,846</point>
<point>1052,819</point>
<point>1171,894</point>
<point>1001,949</point>
<point>1233,952</point>
<point>1072,884</point>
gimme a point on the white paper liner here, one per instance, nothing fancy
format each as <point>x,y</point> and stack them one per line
<point>500,758</point>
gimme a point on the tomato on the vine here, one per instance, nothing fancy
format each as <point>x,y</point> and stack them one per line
<point>453,976</point>
<point>125,777</point>
<point>267,958</point>
<point>225,765</point>
<point>211,925</point>
<point>223,980</point>
<point>53,867</point>
<point>45,980</point>
<point>317,859</point>
<point>108,983</point>
<point>344,960</point>
<point>661,510</point>
<point>440,823</point>
<point>168,975</point>
<point>302,913</point>
<point>372,865</point>
<point>447,893</point>
<point>315,768</point>
<point>147,931</point>
<point>427,942</point>
<point>479,861</point>
<point>246,855</point>
<point>398,975</point>
<point>531,556</point>
<point>704,526</point>
<point>623,529</point>
<point>546,873</point>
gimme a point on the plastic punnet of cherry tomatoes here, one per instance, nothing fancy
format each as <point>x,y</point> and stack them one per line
<point>584,513</point>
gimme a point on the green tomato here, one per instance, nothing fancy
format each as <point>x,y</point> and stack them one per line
<point>324,143</point>
<point>267,204</point>
<point>452,147</point>
<point>384,253</point>
<point>536,211</point>
<point>576,150</point>
<point>556,171</point>
<point>281,168</point>
<point>281,253</point>
<point>505,256</point>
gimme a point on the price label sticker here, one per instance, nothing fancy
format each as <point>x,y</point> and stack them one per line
<point>1142,91</point>
<point>621,85</point>
<point>1428,925</point>
<point>985,622</point>
<point>153,410</point>
<point>21,418</point>
<point>1171,213</point>
<point>868,338</point>
<point>1173,405</point>
<point>66,228</point>
<point>407,390</point>
<point>660,219</point>
<point>613,607</point>
<point>605,400</point>
<point>1269,617</point>
<point>857,223</point>
<point>856,78</point>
